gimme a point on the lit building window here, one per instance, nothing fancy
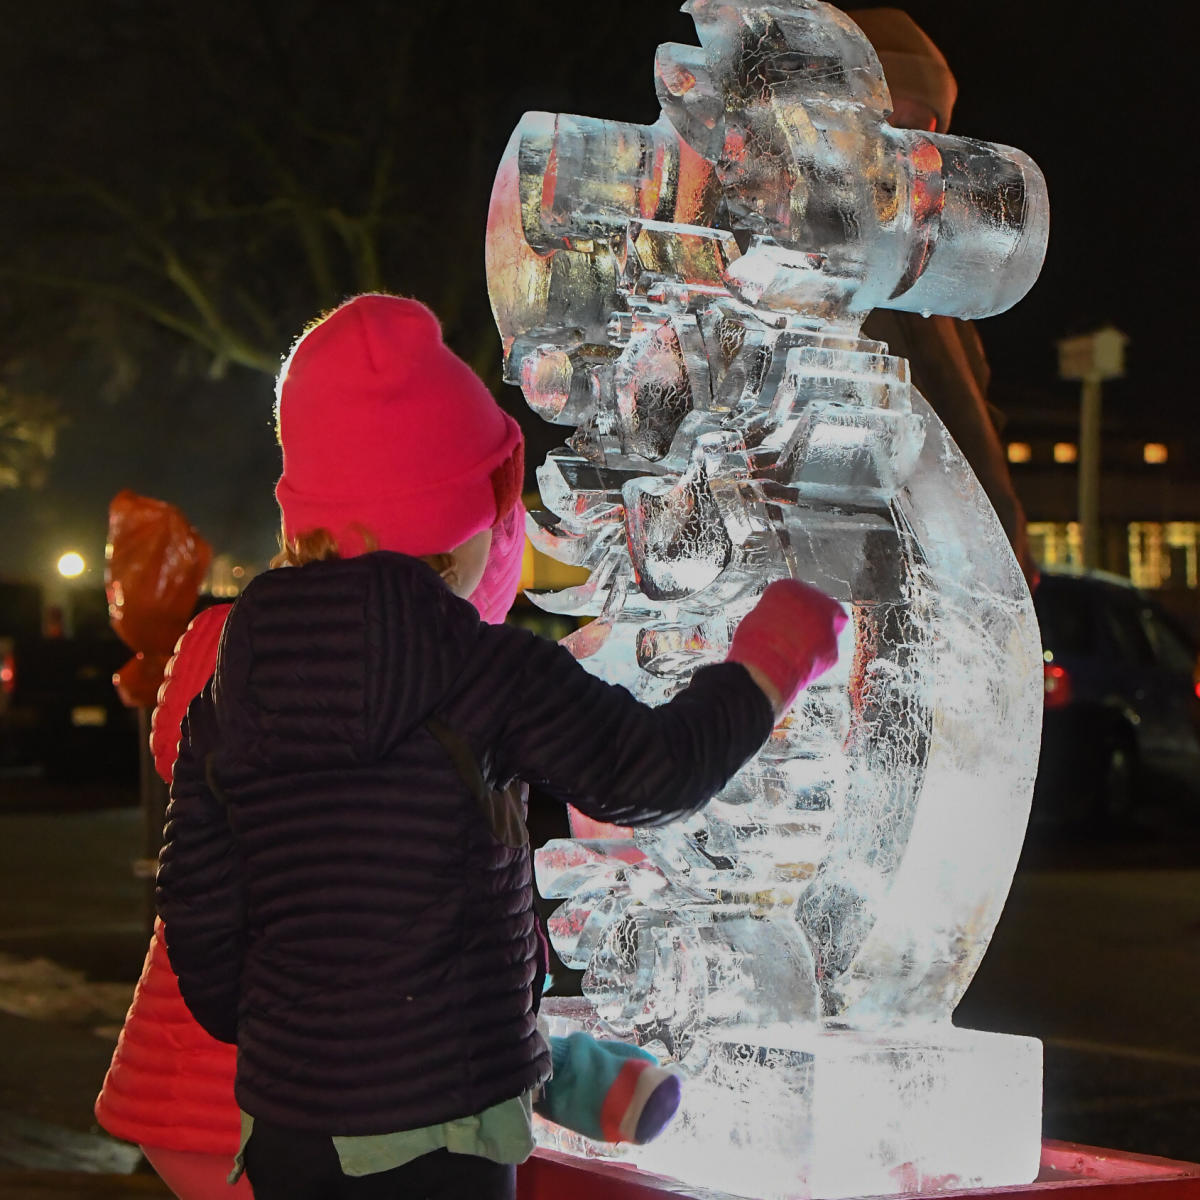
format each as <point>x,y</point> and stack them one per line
<point>1065,452</point>
<point>1056,543</point>
<point>1164,555</point>
<point>1183,548</point>
<point>1148,563</point>
<point>1154,452</point>
<point>1019,452</point>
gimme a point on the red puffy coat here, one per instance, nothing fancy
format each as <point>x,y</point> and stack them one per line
<point>170,1084</point>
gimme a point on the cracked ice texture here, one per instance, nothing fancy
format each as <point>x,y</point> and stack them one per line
<point>688,296</point>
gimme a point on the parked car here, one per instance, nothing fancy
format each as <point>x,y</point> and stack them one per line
<point>1122,697</point>
<point>20,624</point>
<point>59,710</point>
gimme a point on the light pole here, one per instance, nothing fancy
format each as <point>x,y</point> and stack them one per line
<point>1091,358</point>
<point>70,569</point>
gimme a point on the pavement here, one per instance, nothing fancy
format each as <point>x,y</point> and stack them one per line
<point>73,930</point>
<point>1097,954</point>
<point>1103,965</point>
<point>78,1185</point>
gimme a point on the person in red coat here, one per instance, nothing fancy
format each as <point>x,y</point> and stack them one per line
<point>170,1085</point>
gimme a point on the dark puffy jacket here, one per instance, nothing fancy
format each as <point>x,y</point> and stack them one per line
<point>335,897</point>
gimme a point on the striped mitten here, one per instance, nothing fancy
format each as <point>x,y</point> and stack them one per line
<point>608,1091</point>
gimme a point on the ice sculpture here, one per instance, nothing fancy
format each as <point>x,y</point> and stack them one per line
<point>688,296</point>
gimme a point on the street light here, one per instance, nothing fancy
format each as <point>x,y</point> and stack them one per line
<point>71,565</point>
<point>1091,358</point>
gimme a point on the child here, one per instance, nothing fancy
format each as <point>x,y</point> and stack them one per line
<point>345,880</point>
<point>169,1087</point>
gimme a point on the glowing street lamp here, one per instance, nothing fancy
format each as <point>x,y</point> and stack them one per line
<point>71,565</point>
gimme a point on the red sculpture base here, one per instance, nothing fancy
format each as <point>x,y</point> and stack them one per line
<point>1108,1174</point>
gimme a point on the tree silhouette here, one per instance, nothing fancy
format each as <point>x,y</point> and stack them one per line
<point>224,171</point>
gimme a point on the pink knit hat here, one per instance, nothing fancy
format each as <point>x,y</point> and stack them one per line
<point>383,426</point>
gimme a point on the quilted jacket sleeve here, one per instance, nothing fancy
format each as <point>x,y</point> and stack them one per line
<point>199,885</point>
<point>593,745</point>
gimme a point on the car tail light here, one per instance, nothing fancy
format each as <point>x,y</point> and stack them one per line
<point>1057,686</point>
<point>8,674</point>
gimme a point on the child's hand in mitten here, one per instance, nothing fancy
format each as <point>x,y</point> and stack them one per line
<point>788,639</point>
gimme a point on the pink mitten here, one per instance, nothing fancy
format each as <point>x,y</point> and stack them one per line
<point>790,635</point>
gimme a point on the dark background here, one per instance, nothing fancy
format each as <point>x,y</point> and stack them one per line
<point>183,186</point>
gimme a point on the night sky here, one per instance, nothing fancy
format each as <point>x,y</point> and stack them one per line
<point>1099,103</point>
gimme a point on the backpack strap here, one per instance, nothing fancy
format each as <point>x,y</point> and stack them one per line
<point>504,811</point>
<point>210,777</point>
<point>502,808</point>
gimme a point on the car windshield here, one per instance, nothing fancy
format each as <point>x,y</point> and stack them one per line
<point>1065,616</point>
<point>1173,649</point>
<point>1122,615</point>
<point>1081,617</point>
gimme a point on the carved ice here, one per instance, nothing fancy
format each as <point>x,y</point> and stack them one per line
<point>688,296</point>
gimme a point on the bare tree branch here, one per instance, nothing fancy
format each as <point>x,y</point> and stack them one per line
<point>234,351</point>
